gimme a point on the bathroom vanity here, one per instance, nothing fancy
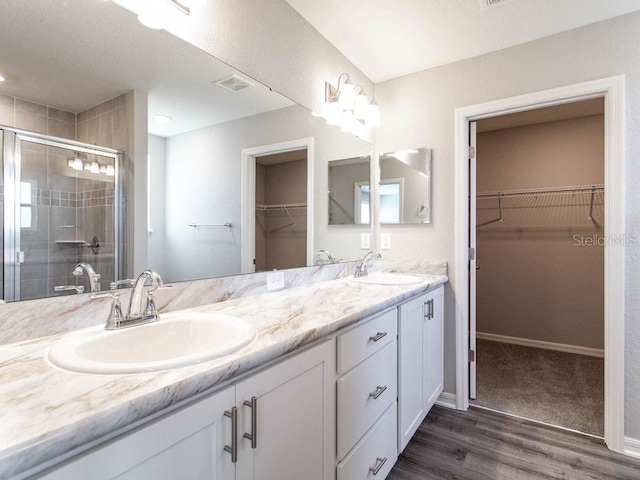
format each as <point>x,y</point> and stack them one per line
<point>338,379</point>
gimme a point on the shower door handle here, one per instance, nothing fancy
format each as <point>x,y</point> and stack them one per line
<point>19,257</point>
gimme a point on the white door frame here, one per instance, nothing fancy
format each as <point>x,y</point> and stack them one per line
<point>248,235</point>
<point>612,90</point>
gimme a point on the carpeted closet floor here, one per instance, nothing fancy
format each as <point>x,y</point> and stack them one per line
<point>559,388</point>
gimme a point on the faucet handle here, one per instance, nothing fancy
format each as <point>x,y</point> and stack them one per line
<point>126,282</point>
<point>113,294</point>
<point>115,317</point>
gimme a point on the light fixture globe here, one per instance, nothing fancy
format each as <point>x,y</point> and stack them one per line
<point>373,115</point>
<point>361,105</point>
<point>347,95</point>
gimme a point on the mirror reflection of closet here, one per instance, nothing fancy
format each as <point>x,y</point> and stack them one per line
<point>281,211</point>
<point>405,186</point>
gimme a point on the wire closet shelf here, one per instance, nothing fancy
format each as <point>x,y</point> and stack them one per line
<point>584,196</point>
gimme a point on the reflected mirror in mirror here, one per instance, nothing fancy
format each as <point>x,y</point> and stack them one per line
<point>76,77</point>
<point>405,186</point>
<point>349,191</point>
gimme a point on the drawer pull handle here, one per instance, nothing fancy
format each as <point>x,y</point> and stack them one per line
<point>379,391</point>
<point>379,463</point>
<point>253,436</point>
<point>233,448</point>
<point>378,336</point>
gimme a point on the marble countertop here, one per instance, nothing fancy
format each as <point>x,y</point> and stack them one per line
<point>47,412</point>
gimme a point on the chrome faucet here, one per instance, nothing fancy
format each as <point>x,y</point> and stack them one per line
<point>94,277</point>
<point>137,308</point>
<point>327,254</point>
<point>361,266</point>
<point>139,311</point>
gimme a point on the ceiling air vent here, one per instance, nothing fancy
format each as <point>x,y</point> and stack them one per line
<point>234,83</point>
<point>491,3</point>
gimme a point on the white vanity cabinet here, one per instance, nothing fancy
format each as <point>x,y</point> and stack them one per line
<point>186,444</point>
<point>367,398</point>
<point>420,360</point>
<point>287,419</point>
<point>288,409</point>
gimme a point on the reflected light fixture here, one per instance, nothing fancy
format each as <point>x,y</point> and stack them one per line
<point>76,163</point>
<point>162,118</point>
<point>2,79</point>
<point>157,14</point>
<point>349,107</point>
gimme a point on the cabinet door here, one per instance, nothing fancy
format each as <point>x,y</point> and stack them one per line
<point>434,348</point>
<point>186,444</point>
<point>294,419</point>
<point>411,368</point>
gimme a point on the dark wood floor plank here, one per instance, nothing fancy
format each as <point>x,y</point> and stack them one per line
<point>480,444</point>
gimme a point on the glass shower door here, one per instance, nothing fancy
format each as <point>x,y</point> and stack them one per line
<point>60,211</point>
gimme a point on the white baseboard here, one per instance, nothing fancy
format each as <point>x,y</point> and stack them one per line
<point>447,400</point>
<point>527,342</point>
<point>632,447</point>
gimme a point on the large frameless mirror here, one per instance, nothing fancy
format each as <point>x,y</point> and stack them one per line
<point>349,191</point>
<point>404,192</point>
<point>76,79</point>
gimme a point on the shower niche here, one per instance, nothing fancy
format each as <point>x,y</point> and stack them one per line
<point>61,206</point>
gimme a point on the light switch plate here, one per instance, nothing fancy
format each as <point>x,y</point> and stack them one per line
<point>385,241</point>
<point>365,241</point>
<point>275,281</point>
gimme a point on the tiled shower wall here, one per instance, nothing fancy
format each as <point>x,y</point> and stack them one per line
<point>66,206</point>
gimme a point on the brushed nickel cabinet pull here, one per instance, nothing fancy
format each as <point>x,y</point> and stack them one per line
<point>378,336</point>
<point>380,461</point>
<point>233,448</point>
<point>253,436</point>
<point>429,309</point>
<point>379,391</point>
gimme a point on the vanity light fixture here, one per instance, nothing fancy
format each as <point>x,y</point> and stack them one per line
<point>191,4</point>
<point>76,163</point>
<point>2,79</point>
<point>348,106</point>
<point>94,167</point>
<point>108,170</point>
<point>157,14</point>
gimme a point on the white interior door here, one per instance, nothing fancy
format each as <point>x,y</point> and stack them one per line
<point>472,260</point>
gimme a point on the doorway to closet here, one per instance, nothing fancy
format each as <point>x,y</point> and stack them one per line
<point>539,265</point>
<point>281,211</point>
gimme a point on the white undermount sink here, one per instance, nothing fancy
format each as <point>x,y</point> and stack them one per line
<point>382,278</point>
<point>176,340</point>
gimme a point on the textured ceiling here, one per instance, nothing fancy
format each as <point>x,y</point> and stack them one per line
<point>389,38</point>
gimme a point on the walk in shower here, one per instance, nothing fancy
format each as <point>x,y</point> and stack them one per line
<point>61,207</point>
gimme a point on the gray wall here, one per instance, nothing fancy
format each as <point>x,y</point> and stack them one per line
<point>157,179</point>
<point>418,110</point>
<point>203,173</point>
<point>535,280</point>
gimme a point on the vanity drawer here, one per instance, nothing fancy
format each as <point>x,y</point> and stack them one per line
<point>377,449</point>
<point>357,344</point>
<point>364,394</point>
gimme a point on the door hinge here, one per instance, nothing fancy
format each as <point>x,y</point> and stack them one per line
<point>472,152</point>
<point>472,253</point>
<point>472,355</point>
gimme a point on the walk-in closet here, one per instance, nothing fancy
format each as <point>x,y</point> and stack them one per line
<point>281,211</point>
<point>540,265</point>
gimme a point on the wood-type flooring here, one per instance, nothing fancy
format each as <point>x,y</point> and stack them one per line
<point>481,444</point>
